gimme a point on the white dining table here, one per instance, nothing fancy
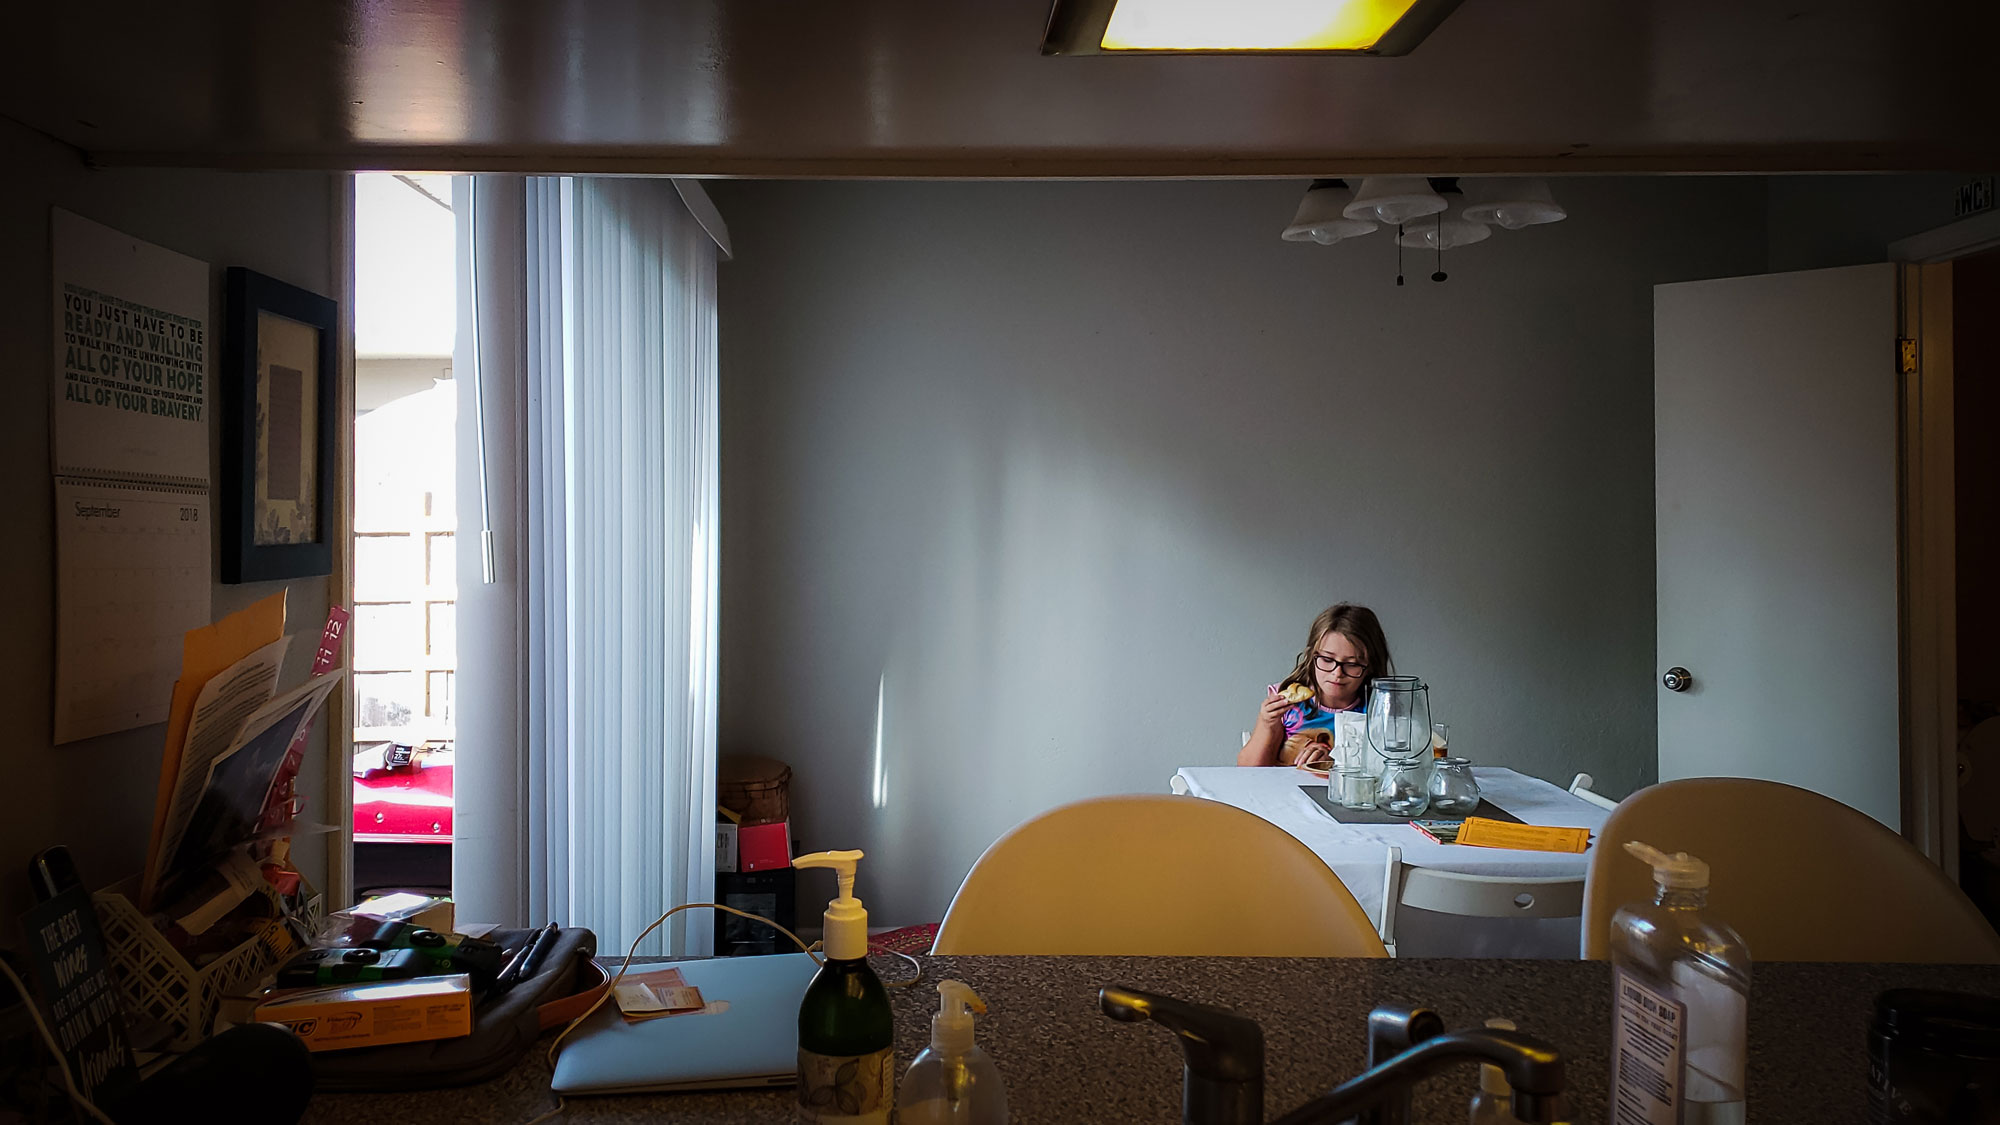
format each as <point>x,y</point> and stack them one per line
<point>1358,854</point>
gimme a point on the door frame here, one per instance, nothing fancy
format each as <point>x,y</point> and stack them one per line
<point>1927,531</point>
<point>340,705</point>
<point>1926,565</point>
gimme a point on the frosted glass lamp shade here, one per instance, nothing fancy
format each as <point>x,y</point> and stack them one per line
<point>1319,218</point>
<point>1513,204</point>
<point>1394,199</point>
<point>1452,233</point>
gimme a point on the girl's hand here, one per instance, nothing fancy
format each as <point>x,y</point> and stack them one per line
<point>1272,714</point>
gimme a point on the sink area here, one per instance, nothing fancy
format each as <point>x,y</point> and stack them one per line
<point>1223,1080</point>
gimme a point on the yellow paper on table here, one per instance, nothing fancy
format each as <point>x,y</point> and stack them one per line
<point>1480,832</point>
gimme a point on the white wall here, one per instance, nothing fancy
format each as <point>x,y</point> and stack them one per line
<point>1054,476</point>
<point>96,796</point>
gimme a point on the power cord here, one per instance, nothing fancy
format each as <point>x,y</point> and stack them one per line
<point>62,1061</point>
<point>809,950</point>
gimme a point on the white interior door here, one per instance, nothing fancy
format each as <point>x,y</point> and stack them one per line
<point>1775,488</point>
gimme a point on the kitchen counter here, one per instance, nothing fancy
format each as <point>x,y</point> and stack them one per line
<point>1065,1062</point>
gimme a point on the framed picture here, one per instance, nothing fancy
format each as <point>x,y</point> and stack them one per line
<point>278,383</point>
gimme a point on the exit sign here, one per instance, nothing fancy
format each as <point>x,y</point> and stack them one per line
<point>1973,196</point>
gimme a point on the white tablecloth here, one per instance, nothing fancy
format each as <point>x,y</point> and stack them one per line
<point>1358,852</point>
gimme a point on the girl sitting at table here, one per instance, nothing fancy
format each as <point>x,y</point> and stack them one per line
<point>1345,649</point>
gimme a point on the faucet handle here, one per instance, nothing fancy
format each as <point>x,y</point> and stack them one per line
<point>1391,1031</point>
<point>1223,1051</point>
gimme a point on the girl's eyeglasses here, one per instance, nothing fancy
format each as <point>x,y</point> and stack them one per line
<point>1348,668</point>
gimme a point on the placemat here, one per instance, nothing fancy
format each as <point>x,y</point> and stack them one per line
<point>1345,815</point>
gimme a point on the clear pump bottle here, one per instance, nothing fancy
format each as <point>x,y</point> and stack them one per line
<point>1494,1103</point>
<point>952,1081</point>
<point>1680,1004</point>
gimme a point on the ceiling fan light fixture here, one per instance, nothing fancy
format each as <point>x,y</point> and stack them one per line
<point>1445,234</point>
<point>1394,199</point>
<point>1361,27</point>
<point>1319,218</point>
<point>1514,204</point>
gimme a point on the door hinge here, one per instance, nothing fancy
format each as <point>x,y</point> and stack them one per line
<point>1906,355</point>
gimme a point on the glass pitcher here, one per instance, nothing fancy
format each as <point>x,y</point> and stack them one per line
<point>1399,717</point>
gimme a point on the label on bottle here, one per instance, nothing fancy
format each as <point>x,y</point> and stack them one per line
<point>1648,1049</point>
<point>846,1089</point>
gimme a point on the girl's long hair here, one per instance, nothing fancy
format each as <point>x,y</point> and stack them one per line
<point>1358,624</point>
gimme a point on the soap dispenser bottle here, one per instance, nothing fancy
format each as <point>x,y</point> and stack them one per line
<point>952,1081</point>
<point>847,1068</point>
<point>1680,1002</point>
<point>1494,1103</point>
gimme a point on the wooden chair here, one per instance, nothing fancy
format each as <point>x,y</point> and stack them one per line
<point>1581,787</point>
<point>1154,876</point>
<point>1473,896</point>
<point>1799,876</point>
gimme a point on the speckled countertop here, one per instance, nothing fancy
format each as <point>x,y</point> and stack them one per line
<point>1065,1062</point>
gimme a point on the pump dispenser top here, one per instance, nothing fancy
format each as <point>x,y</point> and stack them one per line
<point>1677,872</point>
<point>953,1082</point>
<point>951,1028</point>
<point>846,919</point>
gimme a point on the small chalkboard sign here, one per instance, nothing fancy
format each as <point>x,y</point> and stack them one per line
<point>79,998</point>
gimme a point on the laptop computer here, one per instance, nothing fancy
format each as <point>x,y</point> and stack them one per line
<point>753,1040</point>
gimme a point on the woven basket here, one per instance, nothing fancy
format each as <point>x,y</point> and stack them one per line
<point>756,788</point>
<point>157,985</point>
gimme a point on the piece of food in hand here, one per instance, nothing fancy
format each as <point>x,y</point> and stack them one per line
<point>1296,693</point>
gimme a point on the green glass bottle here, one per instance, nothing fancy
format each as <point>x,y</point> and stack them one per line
<point>847,1032</point>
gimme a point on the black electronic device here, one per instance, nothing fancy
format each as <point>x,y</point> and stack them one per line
<point>318,968</point>
<point>52,872</point>
<point>453,953</point>
<point>767,894</point>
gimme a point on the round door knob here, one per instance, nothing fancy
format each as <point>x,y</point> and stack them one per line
<point>1677,679</point>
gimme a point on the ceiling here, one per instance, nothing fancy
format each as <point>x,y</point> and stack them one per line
<point>958,88</point>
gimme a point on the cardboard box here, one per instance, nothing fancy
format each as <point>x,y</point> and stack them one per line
<point>725,847</point>
<point>764,847</point>
<point>367,1015</point>
<point>426,912</point>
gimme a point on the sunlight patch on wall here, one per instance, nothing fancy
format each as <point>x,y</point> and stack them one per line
<point>880,792</point>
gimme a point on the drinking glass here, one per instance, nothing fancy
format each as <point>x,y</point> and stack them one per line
<point>1356,787</point>
<point>1405,788</point>
<point>1453,789</point>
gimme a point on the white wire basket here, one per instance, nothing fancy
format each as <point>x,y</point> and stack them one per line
<point>158,986</point>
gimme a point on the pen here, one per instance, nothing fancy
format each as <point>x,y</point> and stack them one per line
<point>511,971</point>
<point>538,949</point>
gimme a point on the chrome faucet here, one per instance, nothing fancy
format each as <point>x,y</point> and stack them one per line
<point>1404,1047</point>
<point>1223,1082</point>
<point>1224,1051</point>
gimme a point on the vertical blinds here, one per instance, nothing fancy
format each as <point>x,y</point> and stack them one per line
<point>616,596</point>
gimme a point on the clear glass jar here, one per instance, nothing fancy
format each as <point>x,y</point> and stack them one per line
<point>1453,788</point>
<point>1405,787</point>
<point>1357,787</point>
